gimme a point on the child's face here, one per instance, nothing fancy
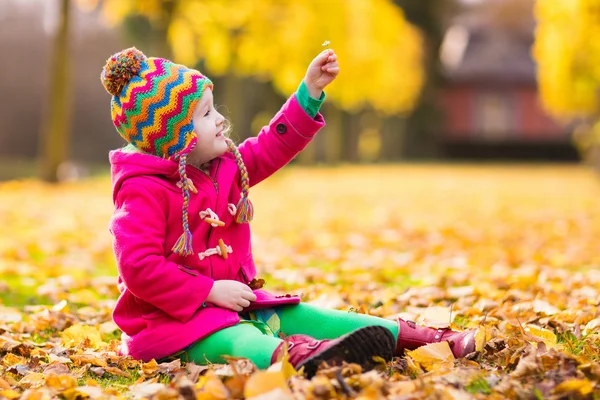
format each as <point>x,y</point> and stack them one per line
<point>208,125</point>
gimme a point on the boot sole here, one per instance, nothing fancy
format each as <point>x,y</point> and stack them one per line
<point>359,347</point>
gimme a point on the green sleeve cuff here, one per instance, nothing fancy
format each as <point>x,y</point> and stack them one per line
<point>309,104</point>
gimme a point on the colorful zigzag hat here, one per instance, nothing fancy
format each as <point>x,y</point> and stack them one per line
<point>153,100</point>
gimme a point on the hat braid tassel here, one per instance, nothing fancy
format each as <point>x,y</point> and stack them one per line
<point>184,243</point>
<point>245,210</point>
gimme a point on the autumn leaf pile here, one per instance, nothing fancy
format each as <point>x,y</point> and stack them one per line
<point>510,250</point>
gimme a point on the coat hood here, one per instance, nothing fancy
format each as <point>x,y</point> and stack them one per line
<point>124,165</point>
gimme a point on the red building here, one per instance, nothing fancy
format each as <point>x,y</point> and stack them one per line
<point>490,97</point>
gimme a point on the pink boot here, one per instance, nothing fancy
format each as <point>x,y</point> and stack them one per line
<point>411,336</point>
<point>359,346</point>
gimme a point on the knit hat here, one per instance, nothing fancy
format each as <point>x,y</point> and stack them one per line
<point>153,100</point>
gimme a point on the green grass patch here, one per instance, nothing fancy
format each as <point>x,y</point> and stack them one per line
<point>573,344</point>
<point>479,385</point>
<point>120,383</point>
<point>21,292</point>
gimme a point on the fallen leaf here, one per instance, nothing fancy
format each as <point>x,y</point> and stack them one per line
<point>150,368</point>
<point>10,314</point>
<point>11,359</point>
<point>61,383</point>
<point>265,384</point>
<point>211,388</point>
<point>580,386</point>
<point>10,394</point>
<point>32,380</point>
<point>546,335</point>
<point>431,354</point>
<point>75,334</point>
<point>88,358</point>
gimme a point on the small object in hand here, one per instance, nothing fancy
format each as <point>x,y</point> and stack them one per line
<point>256,284</point>
<point>223,249</point>
<point>214,221</point>
<point>326,43</point>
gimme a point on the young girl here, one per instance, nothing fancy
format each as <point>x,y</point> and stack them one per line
<point>181,232</point>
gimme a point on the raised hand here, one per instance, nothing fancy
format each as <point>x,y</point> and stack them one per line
<point>322,70</point>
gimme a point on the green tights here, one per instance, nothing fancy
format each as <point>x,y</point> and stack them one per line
<point>248,340</point>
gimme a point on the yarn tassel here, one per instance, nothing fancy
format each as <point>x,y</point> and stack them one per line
<point>245,211</point>
<point>184,244</point>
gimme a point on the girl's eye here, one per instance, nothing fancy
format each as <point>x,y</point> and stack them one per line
<point>207,112</point>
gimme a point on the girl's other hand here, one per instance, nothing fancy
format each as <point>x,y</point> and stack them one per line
<point>230,294</point>
<point>322,70</point>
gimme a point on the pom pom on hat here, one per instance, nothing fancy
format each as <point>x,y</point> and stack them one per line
<point>120,68</point>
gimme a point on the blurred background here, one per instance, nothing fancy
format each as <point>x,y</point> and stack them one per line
<point>447,80</point>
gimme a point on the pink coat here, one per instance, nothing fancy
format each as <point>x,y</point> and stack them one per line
<point>162,306</point>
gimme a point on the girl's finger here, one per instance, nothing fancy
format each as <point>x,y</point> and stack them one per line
<point>244,303</point>
<point>249,296</point>
<point>324,55</point>
<point>329,65</point>
<point>334,70</point>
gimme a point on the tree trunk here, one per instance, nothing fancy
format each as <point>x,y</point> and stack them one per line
<point>235,107</point>
<point>55,133</point>
<point>333,136</point>
<point>423,125</point>
<point>351,137</point>
<point>393,132</point>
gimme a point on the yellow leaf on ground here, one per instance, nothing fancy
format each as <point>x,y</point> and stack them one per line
<point>431,354</point>
<point>117,371</point>
<point>284,365</point>
<point>75,334</point>
<point>150,368</point>
<point>580,386</point>
<point>546,335</point>
<point>12,359</point>
<point>593,325</point>
<point>211,388</point>
<point>83,392</point>
<point>480,338</point>
<point>94,359</point>
<point>4,384</point>
<point>267,385</point>
<point>32,380</point>
<point>10,394</point>
<point>61,382</point>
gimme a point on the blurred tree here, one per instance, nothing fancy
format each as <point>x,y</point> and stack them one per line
<point>568,58</point>
<point>423,123</point>
<point>55,131</point>
<point>274,40</point>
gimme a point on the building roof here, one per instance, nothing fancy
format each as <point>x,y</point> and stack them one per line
<point>476,47</point>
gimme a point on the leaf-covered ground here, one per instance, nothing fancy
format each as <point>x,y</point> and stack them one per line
<point>511,250</point>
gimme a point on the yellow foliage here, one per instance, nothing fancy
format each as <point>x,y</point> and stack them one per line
<point>568,56</point>
<point>379,52</point>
